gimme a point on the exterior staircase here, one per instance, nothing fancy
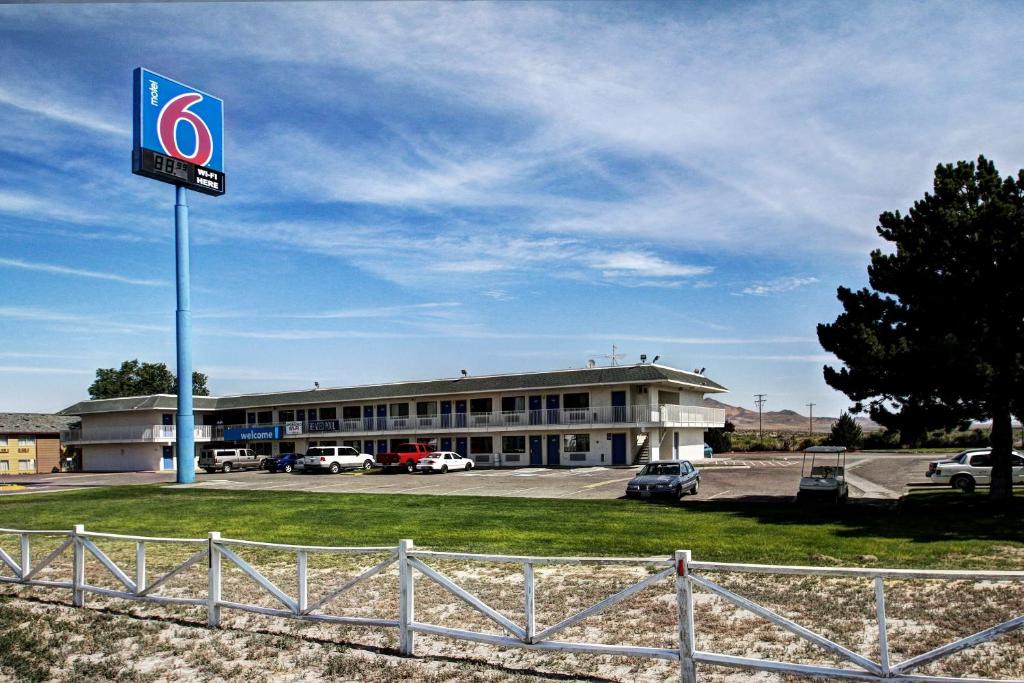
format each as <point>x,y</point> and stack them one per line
<point>642,452</point>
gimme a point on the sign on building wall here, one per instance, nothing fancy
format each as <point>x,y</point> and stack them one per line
<point>178,134</point>
<point>293,428</point>
<point>253,433</point>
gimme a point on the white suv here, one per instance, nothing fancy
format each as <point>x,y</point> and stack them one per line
<point>971,468</point>
<point>333,459</point>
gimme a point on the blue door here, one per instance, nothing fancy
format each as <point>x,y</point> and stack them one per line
<point>553,459</point>
<point>446,418</point>
<point>536,457</point>
<point>618,449</point>
<point>536,404</point>
<point>382,417</point>
<point>382,445</point>
<point>618,406</point>
<point>446,443</point>
<point>553,403</point>
<point>368,446</point>
<point>462,446</point>
<point>460,415</point>
<point>168,463</point>
<point>368,418</point>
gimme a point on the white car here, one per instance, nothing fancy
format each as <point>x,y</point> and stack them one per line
<point>970,468</point>
<point>442,461</point>
<point>333,459</point>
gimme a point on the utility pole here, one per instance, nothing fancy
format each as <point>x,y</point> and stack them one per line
<point>810,419</point>
<point>760,400</point>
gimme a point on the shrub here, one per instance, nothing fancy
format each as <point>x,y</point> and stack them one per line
<point>846,432</point>
<point>719,439</point>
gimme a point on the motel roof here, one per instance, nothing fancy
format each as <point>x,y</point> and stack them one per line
<point>35,423</point>
<point>643,373</point>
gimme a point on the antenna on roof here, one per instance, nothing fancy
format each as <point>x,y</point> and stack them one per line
<point>614,356</point>
<point>591,363</point>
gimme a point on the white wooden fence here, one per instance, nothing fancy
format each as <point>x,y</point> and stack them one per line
<point>686,573</point>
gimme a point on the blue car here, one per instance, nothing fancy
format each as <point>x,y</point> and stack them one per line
<point>282,463</point>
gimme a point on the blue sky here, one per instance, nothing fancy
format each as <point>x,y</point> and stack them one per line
<point>420,188</point>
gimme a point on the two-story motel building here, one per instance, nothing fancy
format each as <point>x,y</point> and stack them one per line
<point>617,415</point>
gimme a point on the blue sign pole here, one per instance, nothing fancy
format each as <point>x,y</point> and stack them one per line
<point>185,432</point>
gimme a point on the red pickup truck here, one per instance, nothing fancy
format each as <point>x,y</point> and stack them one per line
<point>404,457</point>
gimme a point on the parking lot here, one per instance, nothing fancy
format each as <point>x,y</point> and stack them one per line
<point>742,477</point>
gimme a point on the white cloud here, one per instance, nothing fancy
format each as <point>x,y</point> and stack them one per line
<point>27,370</point>
<point>78,272</point>
<point>779,285</point>
<point>77,116</point>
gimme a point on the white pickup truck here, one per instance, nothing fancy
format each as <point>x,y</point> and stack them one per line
<point>971,468</point>
<point>333,459</point>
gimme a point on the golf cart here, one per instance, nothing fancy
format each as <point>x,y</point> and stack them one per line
<point>819,478</point>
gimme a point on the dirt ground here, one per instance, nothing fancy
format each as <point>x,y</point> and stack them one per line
<point>43,638</point>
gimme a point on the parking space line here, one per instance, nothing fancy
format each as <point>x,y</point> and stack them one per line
<point>604,483</point>
<point>720,493</point>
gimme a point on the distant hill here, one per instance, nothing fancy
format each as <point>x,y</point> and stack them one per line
<point>780,420</point>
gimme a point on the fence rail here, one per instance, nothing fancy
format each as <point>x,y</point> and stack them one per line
<point>136,583</point>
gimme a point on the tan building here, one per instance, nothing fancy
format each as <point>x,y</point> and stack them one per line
<point>30,442</point>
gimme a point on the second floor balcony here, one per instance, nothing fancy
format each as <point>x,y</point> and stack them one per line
<point>636,415</point>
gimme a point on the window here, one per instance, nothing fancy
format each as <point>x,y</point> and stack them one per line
<point>480,405</point>
<point>350,413</point>
<point>981,460</point>
<point>26,441</point>
<point>300,415</point>
<point>426,409</point>
<point>513,404</point>
<point>261,447</point>
<point>1018,461</point>
<point>264,417</point>
<point>354,445</point>
<point>5,466</point>
<point>250,418</point>
<point>311,414</point>
<point>577,443</point>
<point>399,410</point>
<point>481,444</point>
<point>286,415</point>
<point>513,444</point>
<point>287,447</point>
<point>25,466</point>
<point>348,451</point>
<point>330,413</point>
<point>571,401</point>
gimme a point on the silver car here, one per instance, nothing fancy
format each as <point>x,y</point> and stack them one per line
<point>675,478</point>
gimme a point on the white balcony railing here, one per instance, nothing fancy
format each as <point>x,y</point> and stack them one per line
<point>668,415</point>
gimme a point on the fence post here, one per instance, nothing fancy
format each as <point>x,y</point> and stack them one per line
<point>684,603</point>
<point>77,566</point>
<point>140,567</point>
<point>303,581</point>
<point>406,599</point>
<point>531,620</point>
<point>26,557</point>
<point>883,635</point>
<point>213,575</point>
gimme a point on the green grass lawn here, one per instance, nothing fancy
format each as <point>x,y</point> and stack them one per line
<point>930,529</point>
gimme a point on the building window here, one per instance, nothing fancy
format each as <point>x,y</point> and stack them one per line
<point>357,444</point>
<point>480,405</point>
<point>26,441</point>
<point>426,409</point>
<point>481,444</point>
<point>395,443</point>
<point>25,466</point>
<point>264,417</point>
<point>311,414</point>
<point>261,447</point>
<point>513,444</point>
<point>286,447</point>
<point>5,466</point>
<point>577,443</point>
<point>513,404</point>
<point>330,413</point>
<point>399,410</point>
<point>286,415</point>
<point>250,418</point>
<point>571,401</point>
<point>350,413</point>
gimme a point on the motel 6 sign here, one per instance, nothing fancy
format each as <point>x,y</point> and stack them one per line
<point>179,134</point>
